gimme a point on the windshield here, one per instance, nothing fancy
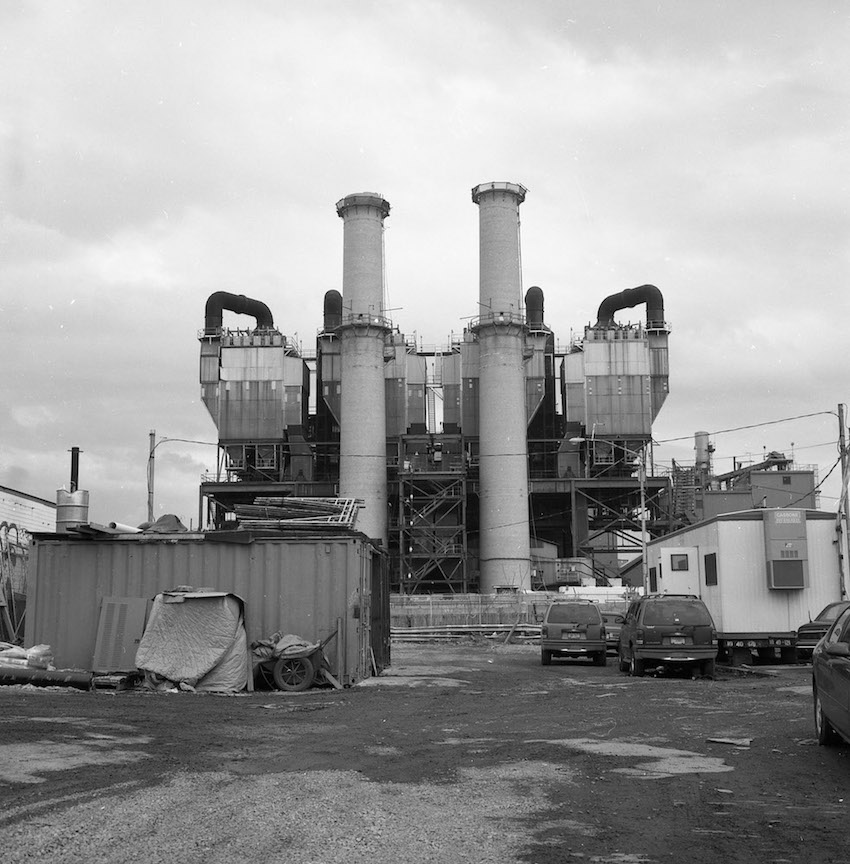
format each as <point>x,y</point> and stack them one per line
<point>573,613</point>
<point>675,612</point>
<point>831,612</point>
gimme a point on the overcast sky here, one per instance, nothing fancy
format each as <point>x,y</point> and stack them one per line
<point>153,153</point>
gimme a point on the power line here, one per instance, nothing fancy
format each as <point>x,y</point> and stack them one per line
<point>749,426</point>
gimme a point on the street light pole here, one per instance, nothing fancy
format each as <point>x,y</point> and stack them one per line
<point>150,473</point>
<point>644,567</point>
<point>643,562</point>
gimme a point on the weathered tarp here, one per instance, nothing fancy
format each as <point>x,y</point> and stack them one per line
<point>196,639</point>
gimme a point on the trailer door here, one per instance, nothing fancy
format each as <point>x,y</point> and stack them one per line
<point>678,571</point>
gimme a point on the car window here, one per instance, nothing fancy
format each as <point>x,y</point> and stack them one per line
<point>675,612</point>
<point>568,613</point>
<point>840,631</point>
<point>830,612</point>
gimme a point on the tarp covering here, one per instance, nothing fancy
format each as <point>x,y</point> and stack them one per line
<point>168,523</point>
<point>197,640</point>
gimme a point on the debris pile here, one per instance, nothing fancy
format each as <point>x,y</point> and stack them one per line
<point>299,513</point>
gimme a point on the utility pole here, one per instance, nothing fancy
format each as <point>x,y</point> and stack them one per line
<point>842,526</point>
<point>150,473</point>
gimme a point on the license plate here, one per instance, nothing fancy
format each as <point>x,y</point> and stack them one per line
<point>677,640</point>
<point>574,636</point>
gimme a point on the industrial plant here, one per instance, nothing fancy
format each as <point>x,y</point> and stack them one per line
<point>502,461</point>
<point>356,476</point>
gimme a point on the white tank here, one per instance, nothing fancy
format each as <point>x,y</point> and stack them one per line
<point>363,456</point>
<point>505,554</point>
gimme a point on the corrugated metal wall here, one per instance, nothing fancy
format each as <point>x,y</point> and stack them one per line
<point>301,586</point>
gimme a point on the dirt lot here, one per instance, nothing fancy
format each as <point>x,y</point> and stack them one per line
<point>455,754</point>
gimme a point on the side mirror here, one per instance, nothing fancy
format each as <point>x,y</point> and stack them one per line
<point>837,649</point>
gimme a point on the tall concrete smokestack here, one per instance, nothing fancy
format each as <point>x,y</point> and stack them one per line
<point>505,552</point>
<point>363,450</point>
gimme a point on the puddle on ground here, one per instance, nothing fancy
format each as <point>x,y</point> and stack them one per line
<point>412,682</point>
<point>662,761</point>
<point>419,671</point>
<point>24,763</point>
<point>379,750</point>
<point>803,690</point>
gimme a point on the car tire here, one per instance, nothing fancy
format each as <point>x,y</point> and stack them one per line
<point>635,666</point>
<point>600,659</point>
<point>545,658</point>
<point>826,735</point>
<point>708,668</point>
<point>623,663</point>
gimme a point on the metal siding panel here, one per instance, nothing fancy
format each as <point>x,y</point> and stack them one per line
<point>288,586</point>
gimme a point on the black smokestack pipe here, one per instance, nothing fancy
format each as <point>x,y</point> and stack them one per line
<point>75,468</point>
<point>648,294</point>
<point>332,310</point>
<point>534,308</point>
<point>238,303</point>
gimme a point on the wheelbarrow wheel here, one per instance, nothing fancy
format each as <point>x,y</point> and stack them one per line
<point>293,673</point>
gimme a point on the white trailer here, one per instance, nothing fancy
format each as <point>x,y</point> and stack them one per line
<point>762,573</point>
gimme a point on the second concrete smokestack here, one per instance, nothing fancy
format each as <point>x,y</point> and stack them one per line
<point>505,554</point>
<point>363,329</point>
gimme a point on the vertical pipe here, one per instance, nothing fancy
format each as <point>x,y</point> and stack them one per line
<point>75,468</point>
<point>505,553</point>
<point>363,456</point>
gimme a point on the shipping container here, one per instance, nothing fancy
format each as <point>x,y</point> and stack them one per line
<point>309,586</point>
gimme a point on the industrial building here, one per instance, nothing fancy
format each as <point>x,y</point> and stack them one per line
<point>21,514</point>
<point>503,461</point>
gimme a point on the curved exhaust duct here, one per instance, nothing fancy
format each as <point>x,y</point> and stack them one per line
<point>239,303</point>
<point>332,311</point>
<point>534,308</point>
<point>648,294</point>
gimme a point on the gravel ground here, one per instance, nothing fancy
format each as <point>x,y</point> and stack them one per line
<point>457,753</point>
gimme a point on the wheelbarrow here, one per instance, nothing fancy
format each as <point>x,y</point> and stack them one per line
<point>298,667</point>
<point>296,670</point>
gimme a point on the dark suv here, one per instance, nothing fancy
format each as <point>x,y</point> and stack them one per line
<point>667,630</point>
<point>573,628</point>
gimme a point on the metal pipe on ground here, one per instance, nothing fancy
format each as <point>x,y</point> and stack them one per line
<point>46,678</point>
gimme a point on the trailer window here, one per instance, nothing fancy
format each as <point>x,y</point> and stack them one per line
<point>710,562</point>
<point>679,562</point>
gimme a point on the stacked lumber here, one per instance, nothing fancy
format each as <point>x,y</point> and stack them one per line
<point>273,512</point>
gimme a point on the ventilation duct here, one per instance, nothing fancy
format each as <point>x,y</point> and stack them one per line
<point>648,294</point>
<point>534,308</point>
<point>332,311</point>
<point>239,303</point>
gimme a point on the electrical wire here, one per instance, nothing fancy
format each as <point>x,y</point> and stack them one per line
<point>749,426</point>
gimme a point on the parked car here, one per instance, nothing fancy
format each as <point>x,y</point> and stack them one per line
<point>667,630</point>
<point>831,682</point>
<point>613,624</point>
<point>573,629</point>
<point>808,635</point>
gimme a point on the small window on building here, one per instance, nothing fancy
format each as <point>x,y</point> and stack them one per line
<point>678,562</point>
<point>786,480</point>
<point>653,580</point>
<point>710,562</point>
